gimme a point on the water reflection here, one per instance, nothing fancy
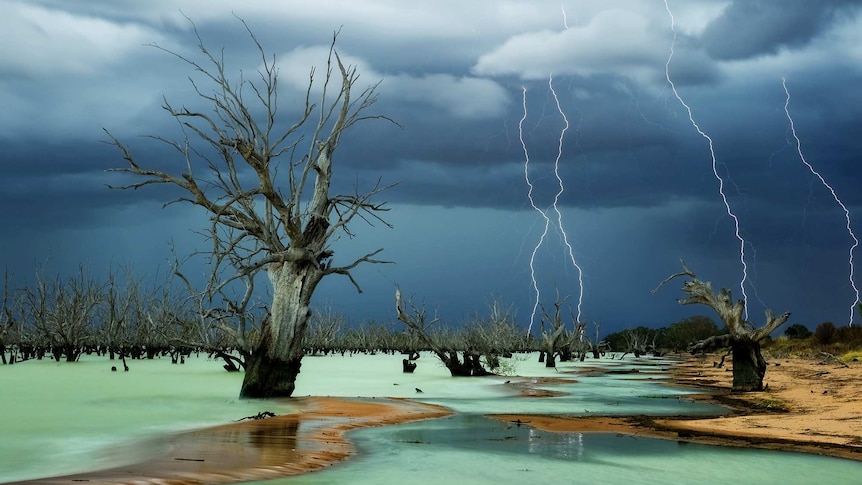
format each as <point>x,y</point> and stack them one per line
<point>481,450</point>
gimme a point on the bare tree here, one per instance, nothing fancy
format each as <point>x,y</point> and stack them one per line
<point>62,311</point>
<point>116,309</point>
<point>469,364</point>
<point>6,319</point>
<point>325,328</point>
<point>749,366</point>
<point>494,335</point>
<point>639,341</point>
<point>284,229</point>
<point>222,322</point>
<point>555,339</point>
<point>595,344</point>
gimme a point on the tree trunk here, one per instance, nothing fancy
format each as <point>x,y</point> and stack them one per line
<point>749,366</point>
<point>470,366</point>
<point>267,377</point>
<point>272,368</point>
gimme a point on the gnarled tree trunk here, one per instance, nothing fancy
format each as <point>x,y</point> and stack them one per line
<point>272,368</point>
<point>749,366</point>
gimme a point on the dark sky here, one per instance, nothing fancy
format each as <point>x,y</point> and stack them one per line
<point>640,191</point>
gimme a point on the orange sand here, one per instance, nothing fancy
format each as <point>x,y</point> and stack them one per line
<point>808,406</point>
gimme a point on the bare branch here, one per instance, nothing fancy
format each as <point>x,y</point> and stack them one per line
<point>685,272</point>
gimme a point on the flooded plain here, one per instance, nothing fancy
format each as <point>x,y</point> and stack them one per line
<point>62,418</point>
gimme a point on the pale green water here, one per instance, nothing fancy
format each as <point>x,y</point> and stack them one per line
<point>70,417</point>
<point>473,449</point>
<point>63,418</point>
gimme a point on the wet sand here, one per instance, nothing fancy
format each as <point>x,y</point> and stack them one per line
<point>263,449</point>
<point>809,406</point>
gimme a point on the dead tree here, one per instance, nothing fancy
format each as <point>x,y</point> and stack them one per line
<point>555,339</point>
<point>493,335</point>
<point>6,319</point>
<point>62,312</point>
<point>219,322</point>
<point>749,366</point>
<point>639,341</point>
<point>265,185</point>
<point>596,346</point>
<point>115,311</point>
<point>471,365</point>
<point>325,328</point>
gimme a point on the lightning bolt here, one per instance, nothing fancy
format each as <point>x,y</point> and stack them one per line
<point>712,154</point>
<point>555,204</point>
<point>560,193</point>
<point>535,207</point>
<point>565,17</point>
<point>831,190</point>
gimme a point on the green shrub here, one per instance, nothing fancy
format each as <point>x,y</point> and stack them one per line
<point>853,355</point>
<point>797,331</point>
<point>825,333</point>
<point>850,335</point>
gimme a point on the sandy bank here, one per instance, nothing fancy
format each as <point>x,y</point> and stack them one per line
<point>263,449</point>
<point>809,406</point>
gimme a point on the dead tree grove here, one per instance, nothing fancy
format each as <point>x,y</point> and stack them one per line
<point>470,362</point>
<point>265,184</point>
<point>749,366</point>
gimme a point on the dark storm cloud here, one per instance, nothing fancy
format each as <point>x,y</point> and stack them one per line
<point>639,188</point>
<point>749,28</point>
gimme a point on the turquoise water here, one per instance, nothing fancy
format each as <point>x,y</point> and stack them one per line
<point>474,449</point>
<point>59,418</point>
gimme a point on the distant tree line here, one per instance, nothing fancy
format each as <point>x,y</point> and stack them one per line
<point>827,338</point>
<point>676,337</point>
<point>121,317</point>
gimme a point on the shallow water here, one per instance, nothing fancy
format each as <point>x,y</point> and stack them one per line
<point>64,418</point>
<point>474,449</point>
<point>70,417</point>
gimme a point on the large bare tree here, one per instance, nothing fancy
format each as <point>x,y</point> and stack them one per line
<point>743,339</point>
<point>265,184</point>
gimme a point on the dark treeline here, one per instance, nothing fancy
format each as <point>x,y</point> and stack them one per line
<point>676,337</point>
<point>120,317</point>
<point>64,317</point>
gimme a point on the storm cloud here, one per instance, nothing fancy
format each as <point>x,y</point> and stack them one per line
<point>467,82</point>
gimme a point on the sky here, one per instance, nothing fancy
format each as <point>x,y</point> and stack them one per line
<point>468,81</point>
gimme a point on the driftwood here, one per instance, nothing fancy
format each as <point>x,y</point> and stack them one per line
<point>260,415</point>
<point>831,358</point>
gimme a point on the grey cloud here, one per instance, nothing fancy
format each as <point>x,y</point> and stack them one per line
<point>749,28</point>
